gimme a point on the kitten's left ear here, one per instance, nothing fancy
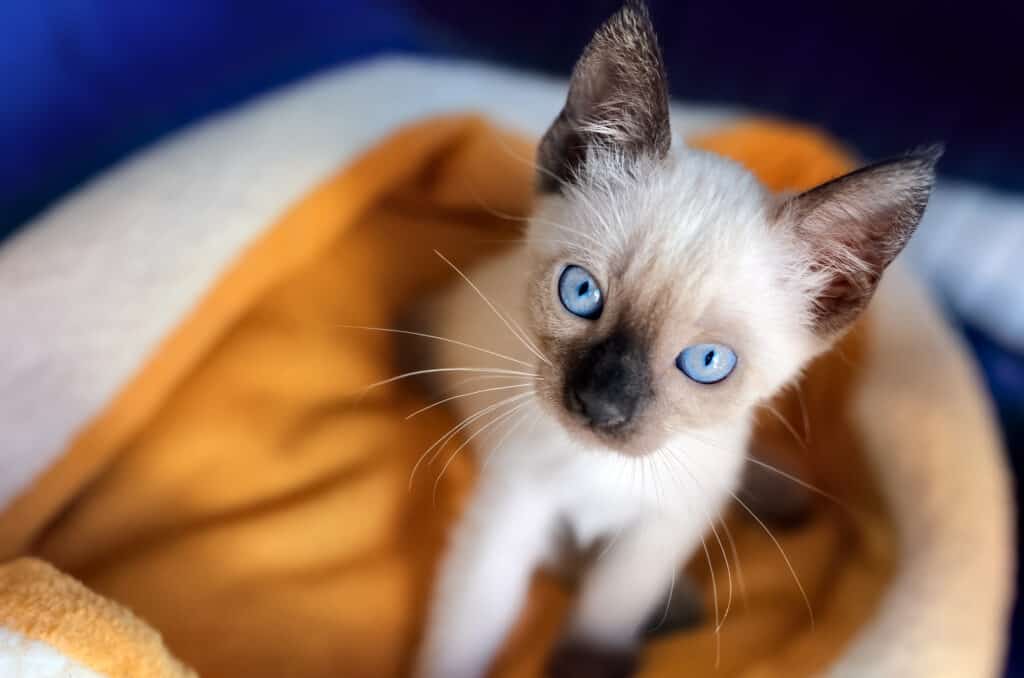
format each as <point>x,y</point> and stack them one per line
<point>854,226</point>
<point>618,98</point>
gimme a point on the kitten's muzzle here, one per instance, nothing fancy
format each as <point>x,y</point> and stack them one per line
<point>609,384</point>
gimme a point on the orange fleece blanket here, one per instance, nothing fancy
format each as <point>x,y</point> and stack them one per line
<point>245,499</point>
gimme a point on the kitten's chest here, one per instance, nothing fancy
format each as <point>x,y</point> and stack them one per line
<point>603,507</point>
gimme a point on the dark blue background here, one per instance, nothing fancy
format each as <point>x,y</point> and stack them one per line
<point>84,82</point>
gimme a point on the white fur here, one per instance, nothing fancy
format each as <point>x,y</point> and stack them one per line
<point>694,230</point>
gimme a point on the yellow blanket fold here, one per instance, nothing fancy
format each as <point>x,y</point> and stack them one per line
<point>249,499</point>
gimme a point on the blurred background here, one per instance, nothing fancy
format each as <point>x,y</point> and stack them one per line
<point>85,82</point>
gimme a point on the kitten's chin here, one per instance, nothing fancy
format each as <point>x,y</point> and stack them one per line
<point>633,449</point>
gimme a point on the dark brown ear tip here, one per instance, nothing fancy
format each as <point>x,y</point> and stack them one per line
<point>637,11</point>
<point>638,6</point>
<point>927,156</point>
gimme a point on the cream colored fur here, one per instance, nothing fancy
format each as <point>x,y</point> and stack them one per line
<point>693,239</point>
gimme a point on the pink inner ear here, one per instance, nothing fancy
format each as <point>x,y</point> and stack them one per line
<point>840,302</point>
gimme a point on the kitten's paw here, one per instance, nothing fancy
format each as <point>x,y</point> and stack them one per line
<point>580,660</point>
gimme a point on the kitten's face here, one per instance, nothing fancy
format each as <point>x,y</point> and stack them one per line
<point>670,291</point>
<point>665,300</point>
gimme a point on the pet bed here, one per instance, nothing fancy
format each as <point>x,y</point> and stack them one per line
<point>187,434</point>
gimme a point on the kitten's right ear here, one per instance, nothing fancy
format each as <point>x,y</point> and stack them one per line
<point>618,98</point>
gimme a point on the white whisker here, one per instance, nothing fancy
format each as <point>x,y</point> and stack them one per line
<point>539,220</point>
<point>668,603</point>
<point>489,370</point>
<point>497,419</point>
<point>530,163</point>
<point>454,430</point>
<point>526,338</point>
<point>798,481</point>
<point>740,578</point>
<point>803,411</point>
<point>515,425</point>
<point>789,427</point>
<point>483,377</point>
<point>444,339</point>
<point>465,423</point>
<point>714,531</point>
<point>569,188</point>
<point>714,595</point>
<point>525,342</point>
<point>802,483</point>
<point>465,395</point>
<point>782,552</point>
<point>711,569</point>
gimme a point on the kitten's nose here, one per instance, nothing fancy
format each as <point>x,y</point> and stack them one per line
<point>609,382</point>
<point>600,410</point>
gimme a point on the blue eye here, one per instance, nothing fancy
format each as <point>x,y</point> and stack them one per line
<point>580,293</point>
<point>706,363</point>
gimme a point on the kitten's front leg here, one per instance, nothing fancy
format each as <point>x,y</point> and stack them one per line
<point>618,596</point>
<point>483,581</point>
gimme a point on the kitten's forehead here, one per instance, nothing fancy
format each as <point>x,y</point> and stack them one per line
<point>651,228</point>
<point>635,205</point>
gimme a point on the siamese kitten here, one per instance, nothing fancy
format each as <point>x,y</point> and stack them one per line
<point>659,296</point>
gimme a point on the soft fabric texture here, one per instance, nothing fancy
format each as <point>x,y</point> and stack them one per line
<point>245,496</point>
<point>85,633</point>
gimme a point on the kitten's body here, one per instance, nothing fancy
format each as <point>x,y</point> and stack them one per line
<point>604,436</point>
<point>541,479</point>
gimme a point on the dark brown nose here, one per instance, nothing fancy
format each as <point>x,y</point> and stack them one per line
<point>601,411</point>
<point>609,383</point>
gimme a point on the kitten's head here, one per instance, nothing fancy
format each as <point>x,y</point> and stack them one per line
<point>673,291</point>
